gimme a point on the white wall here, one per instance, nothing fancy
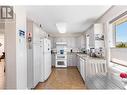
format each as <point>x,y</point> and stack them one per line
<point>2,42</point>
<point>21,50</point>
<point>10,53</point>
<point>2,26</point>
<point>16,58</point>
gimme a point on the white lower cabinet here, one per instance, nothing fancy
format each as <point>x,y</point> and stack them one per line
<point>81,67</point>
<point>78,62</point>
<point>36,64</point>
<point>71,59</point>
<point>53,59</point>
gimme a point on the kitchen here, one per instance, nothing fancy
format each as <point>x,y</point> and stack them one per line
<point>65,48</point>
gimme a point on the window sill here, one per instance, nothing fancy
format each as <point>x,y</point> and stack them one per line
<point>119,62</point>
<point>117,48</point>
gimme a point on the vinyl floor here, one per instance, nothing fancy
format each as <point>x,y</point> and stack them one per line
<point>63,78</point>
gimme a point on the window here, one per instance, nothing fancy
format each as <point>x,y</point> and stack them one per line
<point>120,33</point>
<point>118,39</point>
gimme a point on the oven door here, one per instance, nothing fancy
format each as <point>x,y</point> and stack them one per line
<point>61,63</point>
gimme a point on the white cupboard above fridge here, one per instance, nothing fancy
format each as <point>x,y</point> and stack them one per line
<point>36,34</point>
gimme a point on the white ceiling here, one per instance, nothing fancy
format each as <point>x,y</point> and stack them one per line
<point>78,18</point>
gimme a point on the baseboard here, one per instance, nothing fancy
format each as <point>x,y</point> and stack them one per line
<point>53,66</point>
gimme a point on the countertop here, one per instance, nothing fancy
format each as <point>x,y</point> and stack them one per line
<point>83,56</point>
<point>87,57</point>
<point>68,53</point>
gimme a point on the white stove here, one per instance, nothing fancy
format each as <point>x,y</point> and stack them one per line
<point>61,56</point>
<point>61,60</point>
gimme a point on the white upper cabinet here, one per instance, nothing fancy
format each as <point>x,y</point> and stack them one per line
<point>36,31</point>
<point>82,41</point>
<point>71,41</point>
<point>98,28</point>
<point>96,36</point>
<point>42,33</point>
<point>36,34</point>
<point>36,64</point>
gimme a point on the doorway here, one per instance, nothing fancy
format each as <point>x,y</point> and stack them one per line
<point>2,55</point>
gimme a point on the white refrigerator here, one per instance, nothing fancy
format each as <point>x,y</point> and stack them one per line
<point>45,59</point>
<point>38,57</point>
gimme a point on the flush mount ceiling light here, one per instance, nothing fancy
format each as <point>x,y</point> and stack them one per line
<point>61,27</point>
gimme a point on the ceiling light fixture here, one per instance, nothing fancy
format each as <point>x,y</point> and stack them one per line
<point>61,27</point>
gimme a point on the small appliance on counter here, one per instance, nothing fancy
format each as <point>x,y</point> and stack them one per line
<point>61,51</point>
<point>53,50</point>
<point>92,52</point>
<point>83,50</point>
<point>99,52</point>
<point>74,50</point>
<point>71,50</point>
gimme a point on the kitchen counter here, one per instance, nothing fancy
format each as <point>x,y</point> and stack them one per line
<point>74,53</point>
<point>87,57</point>
<point>68,53</point>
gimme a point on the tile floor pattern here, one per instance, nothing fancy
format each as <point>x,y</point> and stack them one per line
<point>62,78</point>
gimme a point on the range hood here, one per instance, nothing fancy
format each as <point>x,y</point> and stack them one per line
<point>61,43</point>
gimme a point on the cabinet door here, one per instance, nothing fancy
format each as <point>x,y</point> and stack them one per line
<point>82,41</point>
<point>53,59</point>
<point>69,60</point>
<point>78,63</point>
<point>85,69</point>
<point>42,34</point>
<point>98,28</point>
<point>82,68</point>
<point>36,64</point>
<point>74,60</point>
<point>36,34</point>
